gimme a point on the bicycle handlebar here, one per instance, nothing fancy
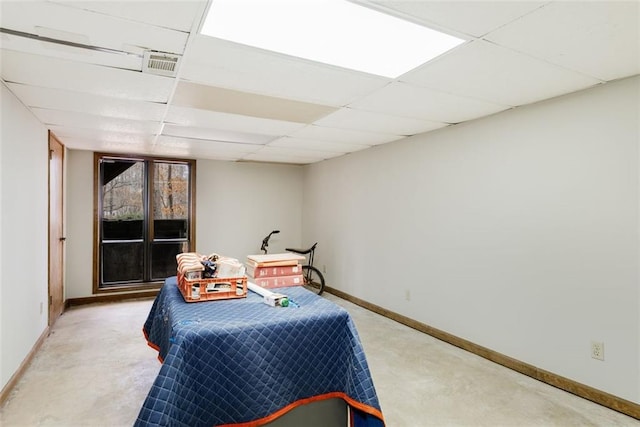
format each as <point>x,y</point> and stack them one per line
<point>265,241</point>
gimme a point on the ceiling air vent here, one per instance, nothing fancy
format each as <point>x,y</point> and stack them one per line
<point>164,64</point>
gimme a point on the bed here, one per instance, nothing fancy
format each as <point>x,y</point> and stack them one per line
<point>243,363</point>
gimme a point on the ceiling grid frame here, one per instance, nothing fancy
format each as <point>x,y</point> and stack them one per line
<point>364,110</point>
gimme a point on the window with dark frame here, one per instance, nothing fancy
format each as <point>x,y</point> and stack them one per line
<point>144,219</point>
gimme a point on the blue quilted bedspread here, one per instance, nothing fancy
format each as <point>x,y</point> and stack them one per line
<point>240,361</point>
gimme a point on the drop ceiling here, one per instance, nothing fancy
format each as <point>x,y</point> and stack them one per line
<point>78,66</point>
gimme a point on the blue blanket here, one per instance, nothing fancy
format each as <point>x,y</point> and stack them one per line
<point>242,362</point>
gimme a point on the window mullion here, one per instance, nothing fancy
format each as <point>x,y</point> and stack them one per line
<point>148,215</point>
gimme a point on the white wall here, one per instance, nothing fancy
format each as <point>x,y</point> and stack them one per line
<point>237,204</point>
<point>79,244</point>
<point>24,233</point>
<point>518,232</point>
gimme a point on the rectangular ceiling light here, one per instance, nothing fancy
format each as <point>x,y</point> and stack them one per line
<point>336,32</point>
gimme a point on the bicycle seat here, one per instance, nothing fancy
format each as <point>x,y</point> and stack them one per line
<point>302,251</point>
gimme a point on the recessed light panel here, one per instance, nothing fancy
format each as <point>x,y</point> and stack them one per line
<point>336,32</point>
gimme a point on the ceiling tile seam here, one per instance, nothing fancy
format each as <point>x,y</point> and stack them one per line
<point>93,116</point>
<point>93,128</point>
<point>44,39</point>
<point>399,80</point>
<point>516,19</point>
<point>546,61</point>
<point>440,57</point>
<point>32,106</point>
<point>299,148</point>
<point>393,116</point>
<point>433,120</point>
<point>350,106</point>
<point>459,95</point>
<point>310,150</point>
<point>121,18</point>
<point>347,130</point>
<point>390,82</point>
<point>206,140</point>
<point>4,82</point>
<point>133,21</point>
<point>414,19</point>
<point>292,58</point>
<point>315,139</point>
<point>352,144</point>
<point>274,135</point>
<point>267,138</point>
<point>176,79</point>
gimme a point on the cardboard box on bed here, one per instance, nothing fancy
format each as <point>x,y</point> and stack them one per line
<point>274,260</point>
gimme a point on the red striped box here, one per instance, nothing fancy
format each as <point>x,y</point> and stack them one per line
<point>278,281</point>
<point>260,272</point>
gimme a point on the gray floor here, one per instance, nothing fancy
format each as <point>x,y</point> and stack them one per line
<point>95,369</point>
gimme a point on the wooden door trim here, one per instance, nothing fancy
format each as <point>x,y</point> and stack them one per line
<point>53,139</point>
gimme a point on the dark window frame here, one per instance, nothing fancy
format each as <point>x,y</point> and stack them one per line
<point>97,221</point>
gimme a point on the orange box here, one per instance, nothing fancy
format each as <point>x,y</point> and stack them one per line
<point>287,270</point>
<point>197,290</point>
<point>279,282</point>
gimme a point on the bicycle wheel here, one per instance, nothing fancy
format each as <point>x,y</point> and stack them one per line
<point>313,279</point>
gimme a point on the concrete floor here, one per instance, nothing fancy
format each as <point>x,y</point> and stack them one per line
<point>95,369</point>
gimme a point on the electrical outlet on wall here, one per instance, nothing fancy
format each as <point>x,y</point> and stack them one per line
<point>597,350</point>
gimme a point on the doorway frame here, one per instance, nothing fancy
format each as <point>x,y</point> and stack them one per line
<point>56,231</point>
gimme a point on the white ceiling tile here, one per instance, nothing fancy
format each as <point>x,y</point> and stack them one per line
<point>177,152</point>
<point>133,139</point>
<point>76,143</point>
<point>470,17</point>
<point>216,134</point>
<point>62,74</point>
<point>311,144</point>
<point>298,152</point>
<point>288,160</point>
<point>178,15</point>
<point>56,99</point>
<point>599,38</point>
<point>232,122</point>
<point>217,146</point>
<point>277,155</point>
<point>322,133</point>
<point>195,95</point>
<point>98,57</point>
<point>402,99</point>
<point>89,121</point>
<point>100,140</point>
<point>193,153</point>
<point>350,118</point>
<point>493,73</point>
<point>230,65</point>
<point>66,23</point>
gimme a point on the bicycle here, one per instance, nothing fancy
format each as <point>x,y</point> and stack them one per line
<point>313,280</point>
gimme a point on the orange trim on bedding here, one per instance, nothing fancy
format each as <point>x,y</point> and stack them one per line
<point>255,423</point>
<point>337,394</point>
<point>152,345</point>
